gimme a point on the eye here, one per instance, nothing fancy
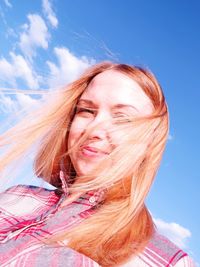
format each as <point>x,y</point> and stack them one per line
<point>84,110</point>
<point>121,118</point>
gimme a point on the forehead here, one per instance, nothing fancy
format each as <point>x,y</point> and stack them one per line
<point>111,88</point>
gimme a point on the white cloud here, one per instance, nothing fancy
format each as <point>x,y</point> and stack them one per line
<point>48,11</point>
<point>175,232</point>
<point>6,71</point>
<point>7,104</point>
<point>26,101</point>
<point>19,101</point>
<point>68,69</point>
<point>8,4</point>
<point>34,35</point>
<point>17,68</point>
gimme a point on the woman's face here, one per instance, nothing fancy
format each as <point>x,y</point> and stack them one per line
<point>110,95</point>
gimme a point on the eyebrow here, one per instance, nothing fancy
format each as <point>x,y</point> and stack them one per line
<point>90,102</point>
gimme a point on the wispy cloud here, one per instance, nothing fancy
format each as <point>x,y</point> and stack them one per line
<point>2,15</point>
<point>170,137</point>
<point>8,4</point>
<point>69,67</point>
<point>17,68</point>
<point>26,101</point>
<point>7,104</point>
<point>10,32</point>
<point>21,67</point>
<point>48,11</point>
<point>174,231</point>
<point>10,104</point>
<point>34,35</point>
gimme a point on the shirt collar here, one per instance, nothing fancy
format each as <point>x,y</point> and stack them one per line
<point>91,198</point>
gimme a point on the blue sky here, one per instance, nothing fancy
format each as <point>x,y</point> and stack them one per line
<point>45,44</point>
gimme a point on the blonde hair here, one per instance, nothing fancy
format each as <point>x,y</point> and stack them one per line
<point>122,225</point>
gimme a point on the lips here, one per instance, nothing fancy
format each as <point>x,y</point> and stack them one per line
<point>93,150</point>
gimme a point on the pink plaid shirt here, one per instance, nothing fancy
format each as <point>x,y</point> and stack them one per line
<point>29,213</point>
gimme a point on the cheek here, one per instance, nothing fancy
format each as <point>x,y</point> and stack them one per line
<point>77,128</point>
<point>118,136</point>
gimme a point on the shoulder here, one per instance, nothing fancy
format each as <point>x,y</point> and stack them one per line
<point>160,251</point>
<point>25,189</point>
<point>164,248</point>
<point>185,262</point>
<point>24,199</point>
<point>21,192</point>
<point>50,256</point>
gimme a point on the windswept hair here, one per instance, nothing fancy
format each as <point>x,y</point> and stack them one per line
<point>121,226</point>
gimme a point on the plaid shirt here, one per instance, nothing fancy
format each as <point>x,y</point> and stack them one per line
<point>29,213</point>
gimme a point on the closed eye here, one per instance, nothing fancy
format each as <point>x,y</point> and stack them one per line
<point>84,110</point>
<point>121,118</point>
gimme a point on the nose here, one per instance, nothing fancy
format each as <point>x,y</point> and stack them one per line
<point>100,128</point>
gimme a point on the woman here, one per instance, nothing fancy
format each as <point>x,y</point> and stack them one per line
<point>100,143</point>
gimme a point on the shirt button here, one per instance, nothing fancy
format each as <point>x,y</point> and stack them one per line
<point>92,200</point>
